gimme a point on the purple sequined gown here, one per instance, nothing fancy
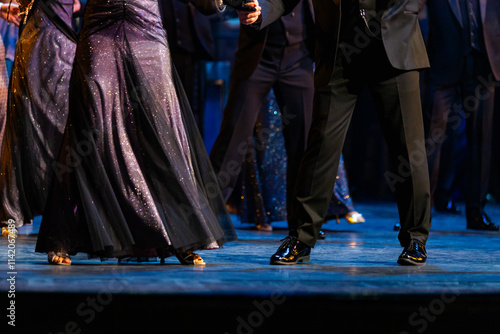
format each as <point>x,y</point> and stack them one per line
<point>37,113</point>
<point>133,177</point>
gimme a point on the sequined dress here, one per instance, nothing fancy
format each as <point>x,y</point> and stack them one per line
<point>37,112</point>
<point>133,178</point>
<point>263,192</point>
<point>4,87</point>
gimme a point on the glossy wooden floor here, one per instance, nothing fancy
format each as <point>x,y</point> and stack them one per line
<point>352,284</point>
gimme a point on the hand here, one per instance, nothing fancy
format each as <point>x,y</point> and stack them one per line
<point>248,18</point>
<point>13,13</point>
<point>421,4</point>
<point>76,6</point>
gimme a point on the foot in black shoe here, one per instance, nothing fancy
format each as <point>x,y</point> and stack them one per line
<point>413,255</point>
<point>480,221</point>
<point>321,235</point>
<point>291,251</point>
<point>448,207</point>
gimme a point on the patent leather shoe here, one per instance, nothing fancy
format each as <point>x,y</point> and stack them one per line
<point>413,255</point>
<point>322,235</point>
<point>480,221</point>
<point>291,251</point>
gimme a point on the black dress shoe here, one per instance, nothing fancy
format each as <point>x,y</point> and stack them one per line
<point>448,207</point>
<point>480,221</point>
<point>321,235</point>
<point>291,251</point>
<point>413,255</point>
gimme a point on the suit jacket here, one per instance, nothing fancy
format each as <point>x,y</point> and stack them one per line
<point>188,27</point>
<point>400,31</point>
<point>446,42</point>
<point>251,43</point>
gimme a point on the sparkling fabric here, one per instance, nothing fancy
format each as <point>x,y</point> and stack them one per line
<point>133,177</point>
<point>263,194</point>
<point>37,113</point>
<point>4,87</point>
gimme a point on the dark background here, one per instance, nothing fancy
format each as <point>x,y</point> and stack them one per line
<point>365,152</point>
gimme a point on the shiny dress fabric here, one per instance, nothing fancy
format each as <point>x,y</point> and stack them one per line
<point>37,113</point>
<point>263,192</point>
<point>133,177</point>
<point>4,88</point>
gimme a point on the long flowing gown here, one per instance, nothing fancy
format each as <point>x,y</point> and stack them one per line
<point>133,176</point>
<point>263,191</point>
<point>36,112</point>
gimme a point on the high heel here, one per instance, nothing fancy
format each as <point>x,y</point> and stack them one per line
<point>264,227</point>
<point>354,217</point>
<point>9,232</point>
<point>59,258</point>
<point>190,258</point>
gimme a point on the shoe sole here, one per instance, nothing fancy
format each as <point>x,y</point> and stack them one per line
<point>301,260</point>
<point>407,262</point>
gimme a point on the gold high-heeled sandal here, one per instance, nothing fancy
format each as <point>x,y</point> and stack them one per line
<point>190,258</point>
<point>9,232</point>
<point>59,258</point>
<point>264,227</point>
<point>354,217</point>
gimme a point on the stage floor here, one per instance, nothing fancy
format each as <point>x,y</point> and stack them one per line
<point>352,282</point>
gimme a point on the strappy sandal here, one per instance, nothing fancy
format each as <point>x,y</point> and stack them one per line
<point>9,232</point>
<point>191,259</point>
<point>264,227</point>
<point>63,256</point>
<point>354,217</point>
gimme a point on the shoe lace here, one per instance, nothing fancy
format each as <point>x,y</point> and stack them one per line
<point>287,241</point>
<point>417,246</point>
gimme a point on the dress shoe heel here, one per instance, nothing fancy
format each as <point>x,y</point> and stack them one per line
<point>305,259</point>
